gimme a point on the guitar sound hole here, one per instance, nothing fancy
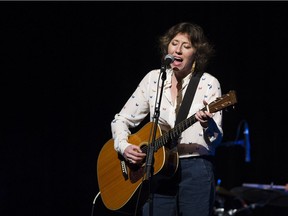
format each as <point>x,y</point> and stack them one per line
<point>144,148</point>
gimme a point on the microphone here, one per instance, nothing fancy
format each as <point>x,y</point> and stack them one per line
<point>168,59</point>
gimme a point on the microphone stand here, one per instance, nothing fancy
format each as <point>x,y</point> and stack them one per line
<point>150,151</point>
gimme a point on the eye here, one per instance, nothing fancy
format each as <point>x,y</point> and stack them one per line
<point>187,46</point>
<point>174,43</point>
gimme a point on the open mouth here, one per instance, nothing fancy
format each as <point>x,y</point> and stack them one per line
<point>178,59</point>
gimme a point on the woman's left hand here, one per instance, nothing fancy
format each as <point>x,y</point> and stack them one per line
<point>203,116</point>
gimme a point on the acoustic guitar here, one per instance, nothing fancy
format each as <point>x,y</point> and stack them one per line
<point>119,181</point>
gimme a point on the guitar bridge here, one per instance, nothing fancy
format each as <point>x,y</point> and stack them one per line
<point>124,169</point>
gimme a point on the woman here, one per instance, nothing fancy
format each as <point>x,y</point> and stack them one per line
<point>191,190</point>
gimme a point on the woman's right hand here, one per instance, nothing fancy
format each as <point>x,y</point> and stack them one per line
<point>133,154</point>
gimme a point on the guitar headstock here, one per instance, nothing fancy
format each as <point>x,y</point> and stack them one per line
<point>222,102</point>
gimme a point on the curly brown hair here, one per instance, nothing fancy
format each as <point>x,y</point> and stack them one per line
<point>204,49</point>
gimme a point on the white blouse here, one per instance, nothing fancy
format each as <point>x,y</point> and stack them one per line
<point>143,101</point>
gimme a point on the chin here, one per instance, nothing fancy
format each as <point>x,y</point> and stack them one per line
<point>176,69</point>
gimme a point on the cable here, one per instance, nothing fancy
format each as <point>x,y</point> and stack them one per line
<point>94,201</point>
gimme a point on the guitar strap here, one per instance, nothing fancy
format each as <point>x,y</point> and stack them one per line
<point>187,100</point>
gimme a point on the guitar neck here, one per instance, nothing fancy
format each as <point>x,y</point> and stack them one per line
<point>175,132</point>
<point>215,106</point>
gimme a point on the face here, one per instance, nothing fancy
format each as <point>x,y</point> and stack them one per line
<point>183,51</point>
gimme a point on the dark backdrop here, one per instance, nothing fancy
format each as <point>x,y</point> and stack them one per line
<point>68,67</point>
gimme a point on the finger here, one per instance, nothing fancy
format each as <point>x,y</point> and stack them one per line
<point>129,160</point>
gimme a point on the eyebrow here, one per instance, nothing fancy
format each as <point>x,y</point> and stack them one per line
<point>179,41</point>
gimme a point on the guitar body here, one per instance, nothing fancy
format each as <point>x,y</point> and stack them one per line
<point>120,181</point>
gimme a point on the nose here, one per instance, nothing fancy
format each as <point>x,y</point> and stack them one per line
<point>178,49</point>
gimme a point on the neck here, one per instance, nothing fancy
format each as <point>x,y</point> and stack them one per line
<point>180,75</point>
